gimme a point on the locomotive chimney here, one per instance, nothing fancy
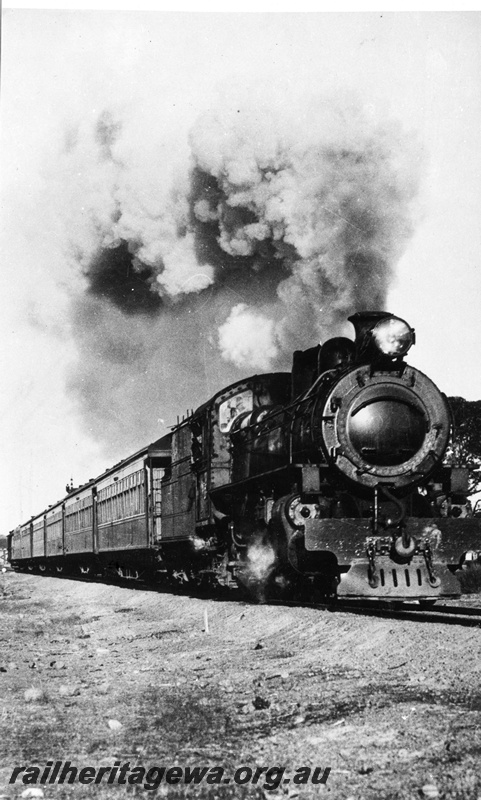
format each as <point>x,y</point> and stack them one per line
<point>364,321</point>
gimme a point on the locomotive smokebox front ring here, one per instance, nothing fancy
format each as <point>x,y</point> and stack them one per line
<point>387,427</point>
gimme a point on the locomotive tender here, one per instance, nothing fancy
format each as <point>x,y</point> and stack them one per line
<point>326,480</point>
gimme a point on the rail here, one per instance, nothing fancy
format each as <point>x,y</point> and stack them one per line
<point>397,609</point>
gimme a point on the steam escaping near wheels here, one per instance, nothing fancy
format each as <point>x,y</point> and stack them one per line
<point>257,568</point>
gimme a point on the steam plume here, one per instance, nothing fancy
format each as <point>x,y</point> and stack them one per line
<point>258,567</point>
<point>204,261</point>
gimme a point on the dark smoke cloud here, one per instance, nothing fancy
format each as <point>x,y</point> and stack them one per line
<point>280,226</point>
<point>115,274</point>
<point>331,205</point>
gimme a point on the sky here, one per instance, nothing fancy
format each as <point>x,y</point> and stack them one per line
<point>186,198</point>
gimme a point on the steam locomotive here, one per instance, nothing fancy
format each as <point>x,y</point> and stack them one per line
<point>328,480</point>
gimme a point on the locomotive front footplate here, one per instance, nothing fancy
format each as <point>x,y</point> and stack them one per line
<point>370,567</point>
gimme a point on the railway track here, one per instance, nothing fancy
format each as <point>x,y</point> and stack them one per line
<point>443,613</point>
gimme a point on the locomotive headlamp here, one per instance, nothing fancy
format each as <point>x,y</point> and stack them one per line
<point>393,336</point>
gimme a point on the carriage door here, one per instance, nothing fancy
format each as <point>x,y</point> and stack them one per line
<point>95,530</point>
<point>157,475</point>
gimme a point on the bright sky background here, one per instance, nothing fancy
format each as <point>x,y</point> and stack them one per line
<point>61,66</point>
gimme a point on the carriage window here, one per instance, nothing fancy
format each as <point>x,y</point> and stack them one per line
<point>230,409</point>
